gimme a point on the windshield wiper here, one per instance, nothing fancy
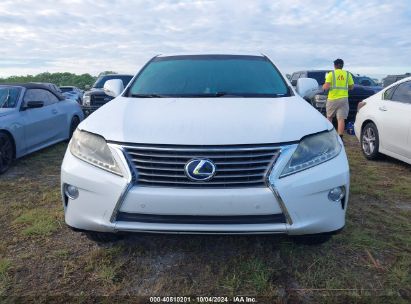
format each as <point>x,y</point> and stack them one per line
<point>148,95</point>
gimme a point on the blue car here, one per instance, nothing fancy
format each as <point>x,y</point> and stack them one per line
<point>33,116</point>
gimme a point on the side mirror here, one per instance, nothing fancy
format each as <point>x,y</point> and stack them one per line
<point>87,87</point>
<point>33,105</point>
<point>307,87</point>
<point>113,87</point>
<point>294,82</point>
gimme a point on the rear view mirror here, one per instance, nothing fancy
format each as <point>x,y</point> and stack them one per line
<point>307,87</point>
<point>113,87</point>
<point>34,104</point>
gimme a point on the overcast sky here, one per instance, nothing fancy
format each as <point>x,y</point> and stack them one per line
<point>87,36</point>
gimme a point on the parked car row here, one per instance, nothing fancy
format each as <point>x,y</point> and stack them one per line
<point>382,115</point>
<point>72,92</point>
<point>208,143</point>
<point>36,115</point>
<point>33,116</point>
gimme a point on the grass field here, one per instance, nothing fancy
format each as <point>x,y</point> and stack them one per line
<point>40,258</point>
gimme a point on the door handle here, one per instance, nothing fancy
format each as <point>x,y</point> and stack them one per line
<point>382,108</point>
<point>54,111</point>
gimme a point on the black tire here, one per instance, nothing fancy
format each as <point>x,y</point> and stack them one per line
<point>6,152</point>
<point>73,125</point>
<point>370,142</point>
<point>103,237</point>
<point>312,239</point>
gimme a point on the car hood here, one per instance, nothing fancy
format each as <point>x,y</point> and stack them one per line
<point>6,111</point>
<point>205,121</point>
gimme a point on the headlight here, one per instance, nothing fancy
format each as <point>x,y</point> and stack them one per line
<point>86,100</point>
<point>320,98</point>
<point>93,149</point>
<point>312,151</point>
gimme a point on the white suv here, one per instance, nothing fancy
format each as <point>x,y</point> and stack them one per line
<point>206,144</point>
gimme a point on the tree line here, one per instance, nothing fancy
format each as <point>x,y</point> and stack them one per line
<point>60,79</point>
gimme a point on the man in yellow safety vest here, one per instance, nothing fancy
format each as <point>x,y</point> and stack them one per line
<point>338,82</point>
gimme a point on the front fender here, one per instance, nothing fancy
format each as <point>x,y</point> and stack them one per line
<point>15,129</point>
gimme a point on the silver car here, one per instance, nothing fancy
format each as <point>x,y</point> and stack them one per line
<point>33,116</point>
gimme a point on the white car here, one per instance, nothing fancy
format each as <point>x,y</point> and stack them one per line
<point>383,122</point>
<point>206,144</point>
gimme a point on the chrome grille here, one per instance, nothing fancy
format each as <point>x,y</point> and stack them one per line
<point>99,99</point>
<point>236,165</point>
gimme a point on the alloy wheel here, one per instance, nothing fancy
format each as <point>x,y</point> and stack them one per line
<point>368,141</point>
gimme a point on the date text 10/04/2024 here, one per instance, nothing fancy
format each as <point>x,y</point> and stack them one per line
<point>204,299</point>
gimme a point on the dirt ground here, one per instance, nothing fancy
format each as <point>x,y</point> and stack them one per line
<point>41,260</point>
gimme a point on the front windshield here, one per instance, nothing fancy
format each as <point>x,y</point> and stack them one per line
<point>9,97</point>
<point>99,84</point>
<point>209,76</point>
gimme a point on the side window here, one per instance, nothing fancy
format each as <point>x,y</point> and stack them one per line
<point>388,93</point>
<point>34,95</point>
<point>402,93</point>
<point>51,98</point>
<point>40,95</point>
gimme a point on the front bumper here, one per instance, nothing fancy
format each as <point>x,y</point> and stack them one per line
<point>298,203</point>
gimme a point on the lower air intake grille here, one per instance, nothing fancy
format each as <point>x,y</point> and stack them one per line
<point>196,219</point>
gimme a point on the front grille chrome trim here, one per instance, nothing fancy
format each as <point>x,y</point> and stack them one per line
<point>237,165</point>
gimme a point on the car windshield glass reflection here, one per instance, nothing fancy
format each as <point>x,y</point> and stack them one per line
<point>9,97</point>
<point>209,76</point>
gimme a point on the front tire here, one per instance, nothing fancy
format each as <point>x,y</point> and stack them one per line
<point>370,141</point>
<point>6,152</point>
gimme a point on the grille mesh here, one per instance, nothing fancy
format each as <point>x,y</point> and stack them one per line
<point>236,165</point>
<point>98,99</point>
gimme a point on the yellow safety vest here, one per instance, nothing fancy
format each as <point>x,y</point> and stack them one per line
<point>339,80</point>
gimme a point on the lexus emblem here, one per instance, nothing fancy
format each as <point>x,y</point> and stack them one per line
<point>200,169</point>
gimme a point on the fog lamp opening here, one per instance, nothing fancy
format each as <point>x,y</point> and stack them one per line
<point>336,194</point>
<point>71,191</point>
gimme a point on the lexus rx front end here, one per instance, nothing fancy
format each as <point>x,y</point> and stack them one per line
<point>208,144</point>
